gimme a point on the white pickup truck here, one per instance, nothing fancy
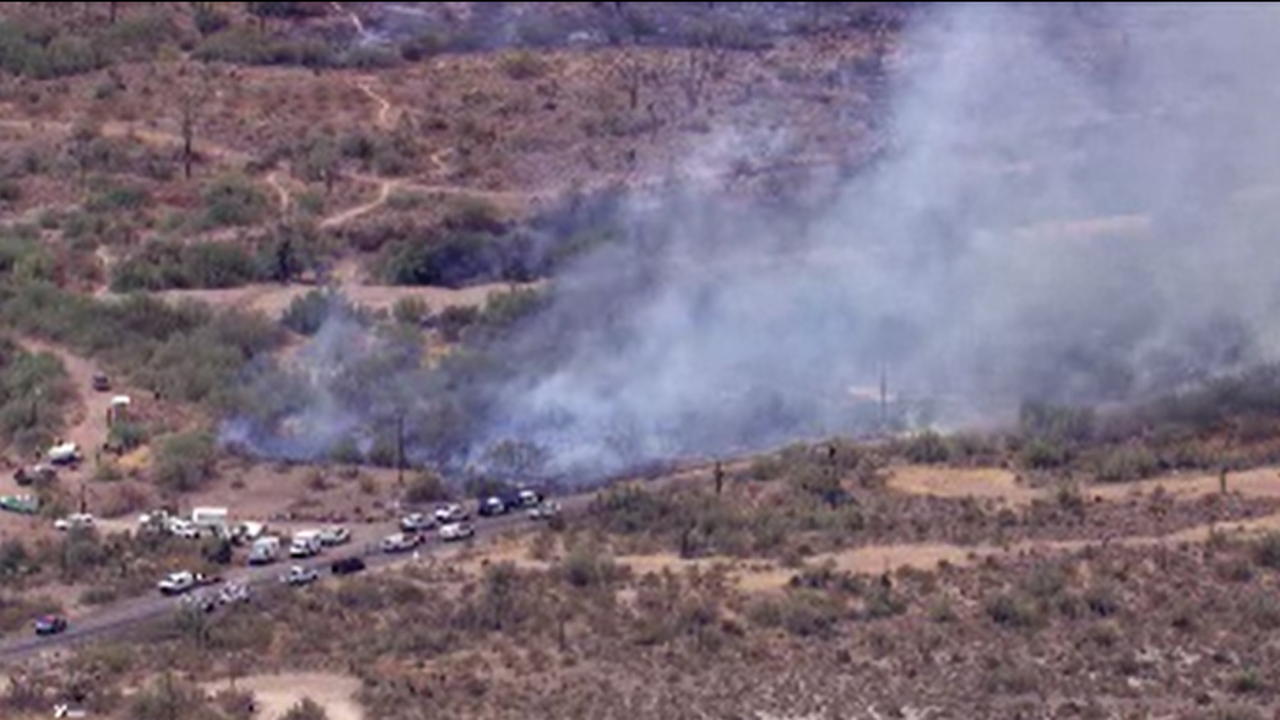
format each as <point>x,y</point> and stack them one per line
<point>306,543</point>
<point>177,583</point>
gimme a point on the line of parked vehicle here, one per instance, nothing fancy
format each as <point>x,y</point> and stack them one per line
<point>450,522</point>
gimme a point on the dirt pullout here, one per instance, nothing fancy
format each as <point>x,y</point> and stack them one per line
<point>277,693</point>
<point>998,484</point>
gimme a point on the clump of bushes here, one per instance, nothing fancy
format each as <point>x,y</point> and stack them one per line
<point>34,392</point>
<point>164,265</point>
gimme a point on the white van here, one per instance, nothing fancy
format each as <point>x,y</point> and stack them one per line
<point>306,543</point>
<point>264,551</point>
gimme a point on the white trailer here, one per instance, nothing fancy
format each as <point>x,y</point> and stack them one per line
<point>213,520</point>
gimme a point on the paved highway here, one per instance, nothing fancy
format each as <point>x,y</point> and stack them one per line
<point>133,612</point>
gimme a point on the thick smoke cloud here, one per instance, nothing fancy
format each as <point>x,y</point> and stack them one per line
<point>1072,209</point>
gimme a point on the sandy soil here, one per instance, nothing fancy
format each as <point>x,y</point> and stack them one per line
<point>996,484</point>
<point>277,693</point>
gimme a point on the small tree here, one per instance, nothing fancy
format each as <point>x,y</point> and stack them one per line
<point>185,462</point>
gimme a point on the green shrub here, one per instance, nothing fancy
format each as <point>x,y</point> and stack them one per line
<point>307,313</point>
<point>426,488</point>
<point>1266,552</point>
<point>1127,464</point>
<point>233,201</point>
<point>928,448</point>
<point>524,66</point>
<point>164,265</point>
<point>185,462</point>
<point>34,393</point>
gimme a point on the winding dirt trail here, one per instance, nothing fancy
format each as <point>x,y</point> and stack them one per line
<point>385,107</point>
<point>282,193</point>
<point>385,187</point>
<point>87,422</point>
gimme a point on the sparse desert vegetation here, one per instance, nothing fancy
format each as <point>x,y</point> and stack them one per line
<point>293,259</point>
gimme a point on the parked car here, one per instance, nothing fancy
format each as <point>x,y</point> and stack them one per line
<point>50,625</point>
<point>177,583</point>
<point>101,382</point>
<point>74,521</point>
<point>183,528</point>
<point>528,498</point>
<point>40,473</point>
<point>492,505</point>
<point>545,510</point>
<point>21,504</point>
<point>451,513</point>
<point>204,602</point>
<point>335,535</point>
<point>347,566</point>
<point>233,593</point>
<point>400,542</point>
<point>457,531</point>
<point>416,522</point>
<point>299,575</point>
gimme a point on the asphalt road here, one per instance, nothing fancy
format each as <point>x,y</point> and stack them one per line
<point>134,612</point>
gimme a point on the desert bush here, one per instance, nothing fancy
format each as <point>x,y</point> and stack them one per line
<point>522,65</point>
<point>1125,464</point>
<point>164,265</point>
<point>928,448</point>
<point>587,566</point>
<point>426,488</point>
<point>411,311</point>
<point>118,197</point>
<point>1014,611</point>
<point>185,462</point>
<point>16,560</point>
<point>170,698</point>
<point>42,53</point>
<point>1266,551</point>
<point>306,709</point>
<point>245,46</point>
<point>34,393</point>
<point>232,201</point>
<point>804,613</point>
<point>125,436</point>
<point>307,313</point>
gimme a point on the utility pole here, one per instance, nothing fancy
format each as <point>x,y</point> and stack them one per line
<point>400,449</point>
<point>884,398</point>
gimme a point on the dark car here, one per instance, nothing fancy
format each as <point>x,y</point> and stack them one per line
<point>50,625</point>
<point>101,382</point>
<point>347,566</point>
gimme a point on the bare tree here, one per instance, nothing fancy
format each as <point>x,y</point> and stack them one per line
<point>630,72</point>
<point>194,92</point>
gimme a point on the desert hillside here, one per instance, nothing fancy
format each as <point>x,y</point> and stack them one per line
<point>391,361</point>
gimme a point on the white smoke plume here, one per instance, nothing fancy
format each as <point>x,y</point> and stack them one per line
<point>1073,208</point>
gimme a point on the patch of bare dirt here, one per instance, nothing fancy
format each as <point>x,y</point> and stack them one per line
<point>276,694</point>
<point>1003,485</point>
